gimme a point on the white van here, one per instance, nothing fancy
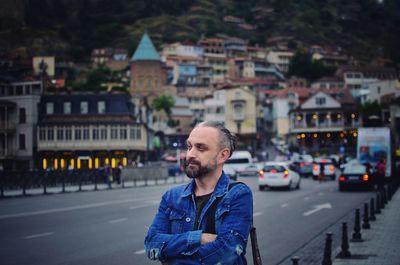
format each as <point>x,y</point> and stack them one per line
<point>238,161</point>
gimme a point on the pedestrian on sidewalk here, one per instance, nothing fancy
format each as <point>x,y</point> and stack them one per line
<point>380,171</point>
<point>182,232</point>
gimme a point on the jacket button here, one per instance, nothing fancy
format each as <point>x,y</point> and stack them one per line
<point>187,219</point>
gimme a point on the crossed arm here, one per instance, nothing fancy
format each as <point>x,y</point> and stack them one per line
<point>192,246</point>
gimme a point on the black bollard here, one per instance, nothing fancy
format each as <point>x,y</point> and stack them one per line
<point>328,250</point>
<point>366,224</point>
<point>388,193</point>
<point>357,229</point>
<point>378,204</point>
<point>344,253</point>
<point>295,260</point>
<point>372,210</point>
<point>383,198</point>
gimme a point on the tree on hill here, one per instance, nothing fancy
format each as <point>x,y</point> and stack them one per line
<point>302,65</point>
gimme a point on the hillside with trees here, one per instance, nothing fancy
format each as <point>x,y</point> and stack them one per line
<point>364,28</point>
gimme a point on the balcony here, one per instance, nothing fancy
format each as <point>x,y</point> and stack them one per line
<point>7,125</point>
<point>238,116</point>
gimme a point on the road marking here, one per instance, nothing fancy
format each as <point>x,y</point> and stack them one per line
<point>139,252</point>
<point>307,198</point>
<point>39,235</point>
<point>284,205</point>
<point>318,208</point>
<point>117,221</point>
<point>67,209</point>
<point>257,214</point>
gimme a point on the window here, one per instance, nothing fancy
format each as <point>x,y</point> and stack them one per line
<point>95,134</point>
<point>22,142</point>
<point>132,133</point>
<point>60,133</point>
<point>138,134</point>
<point>320,101</point>
<point>103,133</point>
<point>68,133</point>
<point>67,107</point>
<point>379,89</point>
<point>84,107</point>
<point>42,134</point>
<point>85,134</point>
<point>50,134</point>
<point>122,133</point>
<point>114,132</point>
<point>22,115</point>
<point>20,90</point>
<point>78,133</point>
<point>49,108</point>
<point>101,107</point>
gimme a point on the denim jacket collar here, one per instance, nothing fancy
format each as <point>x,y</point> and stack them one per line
<point>220,189</point>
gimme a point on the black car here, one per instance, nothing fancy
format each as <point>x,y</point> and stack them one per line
<point>355,175</point>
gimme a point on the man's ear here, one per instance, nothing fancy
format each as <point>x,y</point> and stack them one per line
<point>224,155</point>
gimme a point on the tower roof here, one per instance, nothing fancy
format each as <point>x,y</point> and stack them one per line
<point>146,50</point>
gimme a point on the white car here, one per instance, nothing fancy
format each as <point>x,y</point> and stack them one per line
<point>278,175</point>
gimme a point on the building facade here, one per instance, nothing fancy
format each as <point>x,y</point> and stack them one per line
<point>89,131</point>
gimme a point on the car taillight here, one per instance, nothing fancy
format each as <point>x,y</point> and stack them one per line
<point>273,171</point>
<point>285,174</point>
<point>341,178</point>
<point>365,177</point>
<point>261,174</point>
<point>302,164</point>
<point>315,167</point>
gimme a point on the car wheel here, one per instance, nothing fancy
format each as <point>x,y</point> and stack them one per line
<point>298,185</point>
<point>261,187</point>
<point>341,187</point>
<point>290,186</point>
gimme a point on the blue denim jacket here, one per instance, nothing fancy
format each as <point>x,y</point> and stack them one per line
<point>171,238</point>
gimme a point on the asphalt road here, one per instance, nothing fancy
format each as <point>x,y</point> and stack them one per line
<point>108,227</point>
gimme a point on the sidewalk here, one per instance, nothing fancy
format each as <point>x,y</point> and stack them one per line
<point>381,243</point>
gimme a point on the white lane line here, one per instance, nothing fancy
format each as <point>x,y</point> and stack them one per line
<point>148,203</point>
<point>257,214</point>
<point>284,205</point>
<point>66,209</point>
<point>139,252</point>
<point>117,221</point>
<point>307,198</point>
<point>39,235</point>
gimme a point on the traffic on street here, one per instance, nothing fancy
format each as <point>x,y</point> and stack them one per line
<point>109,226</point>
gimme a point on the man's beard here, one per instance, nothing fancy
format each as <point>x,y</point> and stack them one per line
<point>199,171</point>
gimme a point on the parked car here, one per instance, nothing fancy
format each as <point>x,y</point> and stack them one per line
<point>355,175</point>
<point>304,165</point>
<point>174,170</point>
<point>249,171</point>
<point>327,166</point>
<point>238,161</point>
<point>278,174</point>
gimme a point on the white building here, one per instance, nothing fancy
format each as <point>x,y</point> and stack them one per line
<point>18,120</point>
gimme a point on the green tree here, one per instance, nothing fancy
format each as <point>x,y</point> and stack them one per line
<point>302,65</point>
<point>164,103</point>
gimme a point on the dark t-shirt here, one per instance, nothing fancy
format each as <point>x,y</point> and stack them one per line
<point>201,201</point>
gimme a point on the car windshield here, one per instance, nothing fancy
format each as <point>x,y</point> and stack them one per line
<point>274,168</point>
<point>355,169</point>
<point>237,161</point>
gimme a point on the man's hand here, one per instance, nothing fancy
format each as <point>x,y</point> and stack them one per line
<point>207,238</point>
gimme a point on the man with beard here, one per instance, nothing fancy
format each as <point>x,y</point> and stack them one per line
<point>208,220</point>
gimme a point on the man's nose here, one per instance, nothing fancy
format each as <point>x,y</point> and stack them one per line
<point>190,154</point>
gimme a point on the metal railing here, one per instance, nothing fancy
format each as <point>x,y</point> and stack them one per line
<point>25,183</point>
